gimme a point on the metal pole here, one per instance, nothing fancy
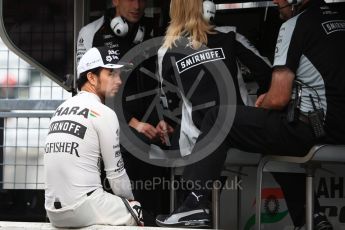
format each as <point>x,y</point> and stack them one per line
<point>309,199</point>
<point>172,192</point>
<point>79,21</point>
<point>259,175</point>
<point>215,206</point>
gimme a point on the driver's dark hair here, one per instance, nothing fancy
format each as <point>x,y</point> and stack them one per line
<point>83,78</point>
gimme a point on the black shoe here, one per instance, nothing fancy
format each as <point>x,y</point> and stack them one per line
<point>186,216</point>
<point>321,222</point>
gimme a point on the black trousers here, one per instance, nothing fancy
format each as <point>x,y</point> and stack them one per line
<point>263,131</point>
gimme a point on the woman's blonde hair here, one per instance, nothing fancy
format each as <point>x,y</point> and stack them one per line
<point>187,20</point>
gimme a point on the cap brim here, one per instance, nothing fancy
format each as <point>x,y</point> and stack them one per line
<point>112,66</point>
<point>119,65</point>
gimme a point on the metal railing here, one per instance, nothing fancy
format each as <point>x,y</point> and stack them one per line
<point>22,149</point>
<point>27,101</point>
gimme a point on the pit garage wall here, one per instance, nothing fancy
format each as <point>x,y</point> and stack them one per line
<point>329,186</point>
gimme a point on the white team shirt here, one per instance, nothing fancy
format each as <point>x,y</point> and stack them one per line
<point>81,131</point>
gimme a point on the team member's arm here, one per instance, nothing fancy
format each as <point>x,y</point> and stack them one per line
<point>260,66</point>
<point>107,126</point>
<point>279,93</point>
<point>164,130</point>
<point>285,65</point>
<point>141,82</point>
<point>143,127</point>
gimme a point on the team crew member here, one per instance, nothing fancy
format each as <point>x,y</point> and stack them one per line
<point>197,47</point>
<point>121,28</point>
<point>83,131</point>
<point>312,32</point>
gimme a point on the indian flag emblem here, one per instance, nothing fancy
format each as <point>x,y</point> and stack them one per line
<point>93,113</point>
<point>272,200</point>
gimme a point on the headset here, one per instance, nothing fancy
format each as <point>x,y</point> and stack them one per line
<point>120,27</point>
<point>209,10</point>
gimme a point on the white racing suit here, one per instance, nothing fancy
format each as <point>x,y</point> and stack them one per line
<point>81,132</point>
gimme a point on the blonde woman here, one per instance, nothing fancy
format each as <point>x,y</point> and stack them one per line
<point>195,57</point>
<point>198,47</point>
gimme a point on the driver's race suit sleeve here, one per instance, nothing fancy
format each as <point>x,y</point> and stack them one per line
<point>108,134</point>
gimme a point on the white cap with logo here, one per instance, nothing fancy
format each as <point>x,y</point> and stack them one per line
<point>99,57</point>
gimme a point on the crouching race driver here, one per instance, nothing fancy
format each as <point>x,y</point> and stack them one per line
<point>83,131</point>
